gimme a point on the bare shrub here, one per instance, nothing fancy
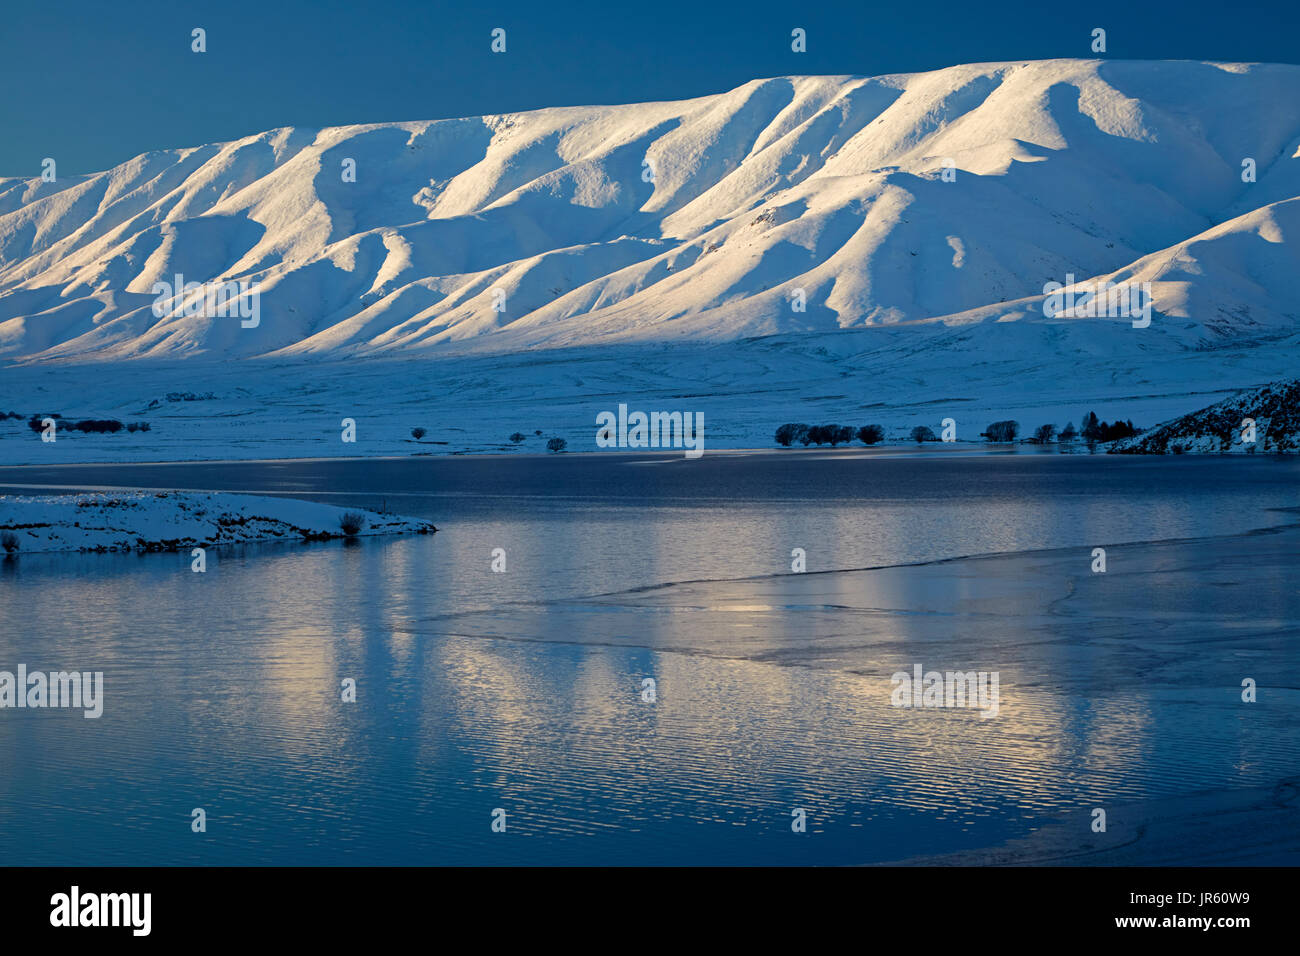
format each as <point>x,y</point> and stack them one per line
<point>871,434</point>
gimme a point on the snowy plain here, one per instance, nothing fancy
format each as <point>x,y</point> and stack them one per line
<point>896,377</point>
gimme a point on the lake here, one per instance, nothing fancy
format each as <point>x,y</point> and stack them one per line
<point>523,690</point>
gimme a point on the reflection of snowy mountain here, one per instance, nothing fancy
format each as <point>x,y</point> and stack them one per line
<point>830,185</point>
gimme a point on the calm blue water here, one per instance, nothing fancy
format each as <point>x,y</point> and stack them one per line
<point>222,689</point>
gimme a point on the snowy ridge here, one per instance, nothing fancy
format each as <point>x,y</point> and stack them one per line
<point>1266,419</point>
<point>830,185</point>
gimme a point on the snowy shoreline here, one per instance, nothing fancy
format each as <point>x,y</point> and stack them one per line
<point>175,521</point>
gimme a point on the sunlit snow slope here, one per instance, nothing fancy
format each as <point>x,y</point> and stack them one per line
<point>831,185</point>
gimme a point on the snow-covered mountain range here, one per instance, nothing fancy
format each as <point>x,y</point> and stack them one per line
<point>707,219</point>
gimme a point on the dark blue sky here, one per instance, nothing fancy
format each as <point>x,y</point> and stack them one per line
<point>94,82</point>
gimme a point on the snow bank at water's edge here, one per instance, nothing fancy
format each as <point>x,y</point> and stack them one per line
<point>172,521</point>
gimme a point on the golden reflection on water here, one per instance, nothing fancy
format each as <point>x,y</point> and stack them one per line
<point>770,693</point>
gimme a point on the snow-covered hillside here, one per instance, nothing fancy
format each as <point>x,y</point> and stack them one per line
<point>829,185</point>
<point>1265,419</point>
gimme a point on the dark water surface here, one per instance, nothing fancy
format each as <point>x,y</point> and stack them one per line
<point>222,689</point>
